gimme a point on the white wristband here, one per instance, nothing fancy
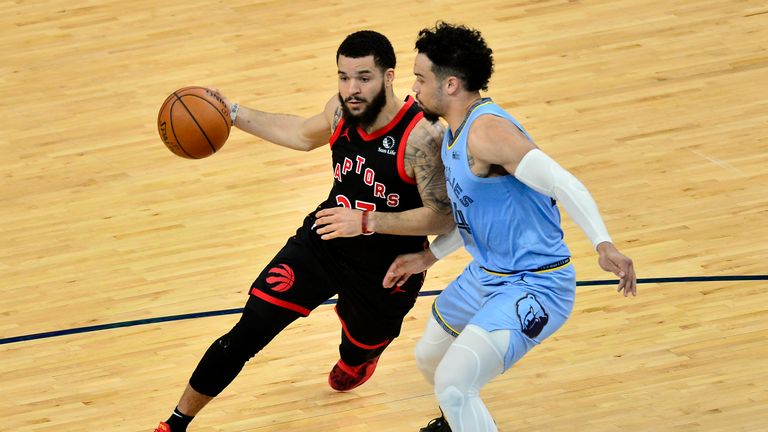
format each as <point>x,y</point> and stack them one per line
<point>445,244</point>
<point>233,112</point>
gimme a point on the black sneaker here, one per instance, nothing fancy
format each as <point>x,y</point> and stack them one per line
<point>439,424</point>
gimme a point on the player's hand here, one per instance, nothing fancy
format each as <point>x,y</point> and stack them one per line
<point>613,261</point>
<point>218,94</point>
<point>405,265</point>
<point>339,222</point>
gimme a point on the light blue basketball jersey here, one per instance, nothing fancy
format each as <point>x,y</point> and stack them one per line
<point>506,226</point>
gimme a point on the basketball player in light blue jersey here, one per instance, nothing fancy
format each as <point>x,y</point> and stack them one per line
<point>520,286</point>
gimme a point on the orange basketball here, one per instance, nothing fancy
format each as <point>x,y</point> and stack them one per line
<point>193,122</point>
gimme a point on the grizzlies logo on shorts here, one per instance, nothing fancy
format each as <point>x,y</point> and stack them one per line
<point>532,316</point>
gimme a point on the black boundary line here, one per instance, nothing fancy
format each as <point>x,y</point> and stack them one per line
<point>195,315</point>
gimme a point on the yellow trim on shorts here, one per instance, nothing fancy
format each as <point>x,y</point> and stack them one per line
<point>554,268</point>
<point>442,322</point>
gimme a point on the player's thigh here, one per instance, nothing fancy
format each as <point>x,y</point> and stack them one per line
<point>531,307</point>
<point>459,302</point>
<point>295,279</point>
<point>432,345</point>
<point>371,314</point>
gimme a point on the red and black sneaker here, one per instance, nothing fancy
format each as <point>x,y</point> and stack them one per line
<point>163,427</point>
<point>344,377</point>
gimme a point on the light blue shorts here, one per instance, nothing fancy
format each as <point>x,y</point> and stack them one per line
<point>533,305</point>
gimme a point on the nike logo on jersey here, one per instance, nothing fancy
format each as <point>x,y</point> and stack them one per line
<point>345,134</point>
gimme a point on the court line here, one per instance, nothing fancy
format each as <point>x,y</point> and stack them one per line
<point>195,315</point>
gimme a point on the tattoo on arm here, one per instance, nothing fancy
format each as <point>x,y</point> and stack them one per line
<point>423,162</point>
<point>485,171</point>
<point>336,118</point>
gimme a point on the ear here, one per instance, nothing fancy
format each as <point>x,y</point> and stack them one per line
<point>389,77</point>
<point>452,85</point>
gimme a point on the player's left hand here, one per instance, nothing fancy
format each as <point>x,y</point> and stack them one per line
<point>613,261</point>
<point>406,265</point>
<point>339,222</point>
<point>217,93</point>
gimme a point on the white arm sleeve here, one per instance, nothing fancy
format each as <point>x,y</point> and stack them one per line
<point>446,244</point>
<point>542,174</point>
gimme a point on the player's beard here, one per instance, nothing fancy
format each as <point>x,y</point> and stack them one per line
<point>431,116</point>
<point>371,112</point>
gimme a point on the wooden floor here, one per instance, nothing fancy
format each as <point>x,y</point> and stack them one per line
<point>659,106</point>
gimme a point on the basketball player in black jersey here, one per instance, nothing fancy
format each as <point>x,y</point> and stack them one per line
<point>388,176</point>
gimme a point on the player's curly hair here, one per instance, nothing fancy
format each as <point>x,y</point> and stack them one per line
<point>459,51</point>
<point>368,42</point>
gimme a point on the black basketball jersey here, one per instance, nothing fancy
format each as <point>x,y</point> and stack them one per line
<point>369,174</point>
<point>369,170</point>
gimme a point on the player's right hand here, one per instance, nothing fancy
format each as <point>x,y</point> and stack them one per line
<point>613,261</point>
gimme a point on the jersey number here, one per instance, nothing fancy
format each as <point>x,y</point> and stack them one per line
<point>461,221</point>
<point>359,205</point>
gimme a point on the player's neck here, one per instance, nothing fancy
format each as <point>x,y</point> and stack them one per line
<point>388,113</point>
<point>460,108</point>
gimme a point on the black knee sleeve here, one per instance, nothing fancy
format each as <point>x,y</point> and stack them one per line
<point>228,354</point>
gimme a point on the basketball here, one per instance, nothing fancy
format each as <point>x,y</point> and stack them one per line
<point>193,122</point>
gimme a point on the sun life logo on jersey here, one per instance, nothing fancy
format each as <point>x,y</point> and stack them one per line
<point>387,146</point>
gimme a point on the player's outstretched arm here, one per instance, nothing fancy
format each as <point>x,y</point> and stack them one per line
<point>499,142</point>
<point>287,130</point>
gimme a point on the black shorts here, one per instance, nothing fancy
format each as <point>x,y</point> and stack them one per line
<point>307,271</point>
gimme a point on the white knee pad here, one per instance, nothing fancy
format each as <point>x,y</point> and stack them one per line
<point>450,398</point>
<point>426,361</point>
<point>430,349</point>
<point>472,360</point>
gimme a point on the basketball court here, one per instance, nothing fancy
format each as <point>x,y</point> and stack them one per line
<point>121,262</point>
